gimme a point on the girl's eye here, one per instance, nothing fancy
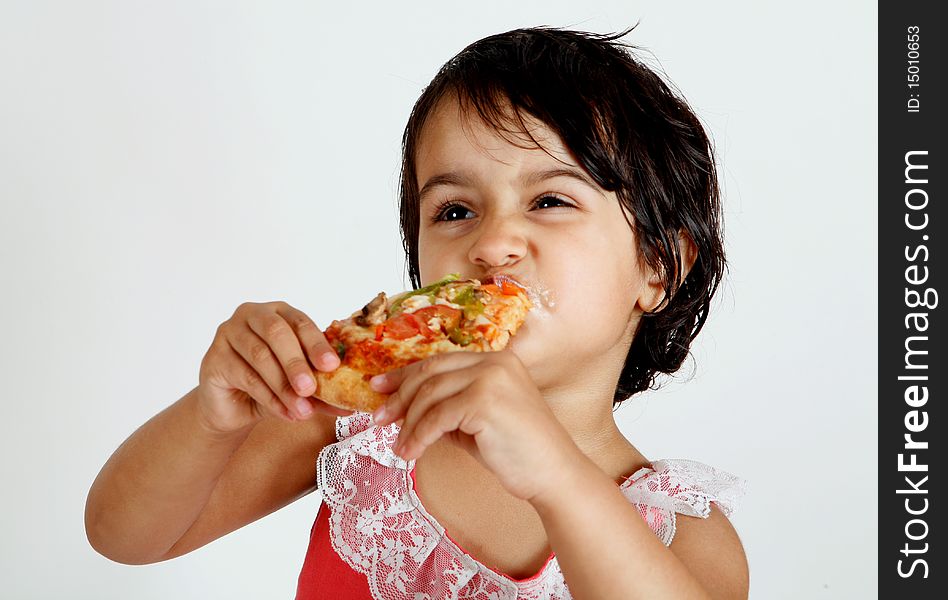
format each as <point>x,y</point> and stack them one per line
<point>551,202</point>
<point>451,211</point>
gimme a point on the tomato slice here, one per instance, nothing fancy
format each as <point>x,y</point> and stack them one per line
<point>402,326</point>
<point>450,317</point>
<point>509,288</point>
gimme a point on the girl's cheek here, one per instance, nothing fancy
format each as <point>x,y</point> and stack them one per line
<point>581,315</point>
<point>431,265</point>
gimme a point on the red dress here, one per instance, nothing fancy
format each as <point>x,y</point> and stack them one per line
<point>374,540</point>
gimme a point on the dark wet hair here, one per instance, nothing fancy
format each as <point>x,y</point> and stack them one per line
<point>634,137</point>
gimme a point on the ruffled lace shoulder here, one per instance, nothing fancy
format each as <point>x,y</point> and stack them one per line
<point>380,528</point>
<point>688,487</point>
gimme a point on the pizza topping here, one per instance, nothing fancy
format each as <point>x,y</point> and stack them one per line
<point>428,290</point>
<point>444,302</point>
<point>507,284</point>
<point>373,313</point>
<point>509,288</point>
<point>473,310</point>
<point>460,337</point>
<point>449,315</point>
<point>439,317</point>
<point>373,357</point>
<point>403,326</point>
<point>491,288</point>
<point>467,299</point>
<point>414,303</point>
<point>464,296</point>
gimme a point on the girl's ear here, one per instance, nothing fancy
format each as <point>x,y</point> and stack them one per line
<point>654,291</point>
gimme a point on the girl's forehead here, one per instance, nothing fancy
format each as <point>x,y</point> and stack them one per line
<point>454,137</point>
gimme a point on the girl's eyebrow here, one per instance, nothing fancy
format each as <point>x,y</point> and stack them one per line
<point>460,179</point>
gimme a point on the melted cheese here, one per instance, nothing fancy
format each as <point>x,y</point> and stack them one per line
<point>440,300</point>
<point>415,303</point>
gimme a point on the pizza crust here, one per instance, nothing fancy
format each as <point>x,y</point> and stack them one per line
<point>345,387</point>
<point>348,388</point>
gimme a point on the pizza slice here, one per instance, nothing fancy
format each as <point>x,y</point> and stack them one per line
<point>450,315</point>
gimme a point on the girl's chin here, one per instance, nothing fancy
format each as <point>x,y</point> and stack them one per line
<point>534,354</point>
<point>522,342</point>
<point>522,333</point>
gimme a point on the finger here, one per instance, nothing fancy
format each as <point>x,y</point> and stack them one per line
<point>433,392</point>
<point>282,340</point>
<point>329,409</point>
<point>417,374</point>
<point>439,385</point>
<point>244,377</point>
<point>321,353</point>
<point>446,416</point>
<point>261,358</point>
<point>398,379</point>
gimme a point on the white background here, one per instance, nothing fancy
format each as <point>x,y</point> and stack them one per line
<point>161,163</point>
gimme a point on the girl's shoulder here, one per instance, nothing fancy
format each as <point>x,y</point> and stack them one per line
<point>674,485</point>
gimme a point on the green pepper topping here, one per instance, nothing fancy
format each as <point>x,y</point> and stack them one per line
<point>465,296</point>
<point>472,310</point>
<point>469,302</point>
<point>430,290</point>
<point>340,349</point>
<point>461,338</point>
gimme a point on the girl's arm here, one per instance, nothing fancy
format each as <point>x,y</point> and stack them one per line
<point>606,550</point>
<point>174,486</point>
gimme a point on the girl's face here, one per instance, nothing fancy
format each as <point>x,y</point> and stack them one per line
<point>489,206</point>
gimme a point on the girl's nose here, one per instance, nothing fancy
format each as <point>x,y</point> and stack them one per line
<point>499,242</point>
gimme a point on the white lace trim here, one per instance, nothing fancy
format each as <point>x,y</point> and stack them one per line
<point>380,528</point>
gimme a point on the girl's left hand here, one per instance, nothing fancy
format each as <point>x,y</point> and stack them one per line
<point>487,403</point>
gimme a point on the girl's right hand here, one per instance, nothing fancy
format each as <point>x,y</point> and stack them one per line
<point>254,357</point>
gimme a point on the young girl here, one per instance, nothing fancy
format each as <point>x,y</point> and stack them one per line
<point>554,157</point>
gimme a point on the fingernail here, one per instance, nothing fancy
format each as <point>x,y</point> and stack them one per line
<point>378,415</point>
<point>377,381</point>
<point>329,360</point>
<point>303,406</point>
<point>304,383</point>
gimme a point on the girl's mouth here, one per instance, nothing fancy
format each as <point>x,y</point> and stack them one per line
<point>540,296</point>
<point>497,278</point>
